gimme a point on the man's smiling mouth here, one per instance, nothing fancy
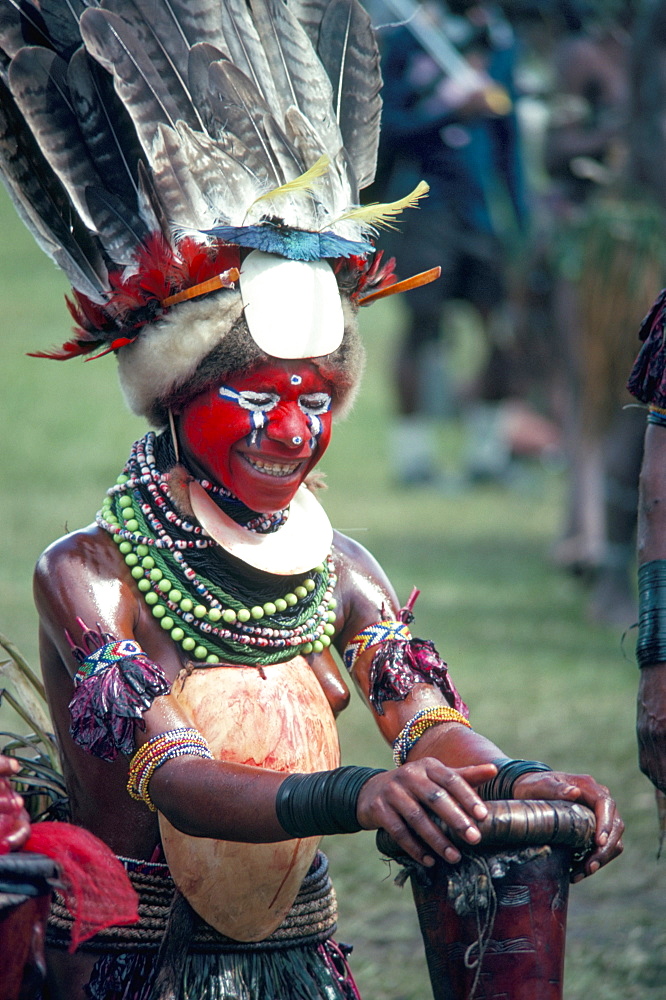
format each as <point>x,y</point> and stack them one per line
<point>278,469</point>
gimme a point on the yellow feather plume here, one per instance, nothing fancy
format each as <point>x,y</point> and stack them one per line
<point>304,181</point>
<point>378,214</point>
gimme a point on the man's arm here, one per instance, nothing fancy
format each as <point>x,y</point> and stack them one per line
<point>451,743</point>
<point>651,714</point>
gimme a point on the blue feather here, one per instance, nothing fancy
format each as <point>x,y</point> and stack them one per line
<point>296,244</point>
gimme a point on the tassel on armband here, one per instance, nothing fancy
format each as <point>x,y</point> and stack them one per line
<point>399,663</point>
<point>114,685</point>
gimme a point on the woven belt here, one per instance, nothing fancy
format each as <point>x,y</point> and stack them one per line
<point>312,918</point>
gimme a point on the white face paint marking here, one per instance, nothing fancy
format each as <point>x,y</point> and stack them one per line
<point>314,405</point>
<point>260,405</point>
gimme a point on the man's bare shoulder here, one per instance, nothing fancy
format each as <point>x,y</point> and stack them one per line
<point>363,586</point>
<point>83,562</point>
<point>90,546</point>
<point>354,555</point>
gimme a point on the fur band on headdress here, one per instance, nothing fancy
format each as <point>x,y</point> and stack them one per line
<point>150,145</point>
<point>204,341</point>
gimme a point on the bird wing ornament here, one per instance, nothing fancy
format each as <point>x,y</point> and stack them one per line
<point>152,146</point>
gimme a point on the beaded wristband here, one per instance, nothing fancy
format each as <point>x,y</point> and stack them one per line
<point>657,415</point>
<point>651,645</point>
<point>313,805</point>
<point>418,725</point>
<point>179,742</point>
<point>508,772</point>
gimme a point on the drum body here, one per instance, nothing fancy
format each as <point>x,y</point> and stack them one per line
<point>278,718</point>
<point>508,947</point>
<point>494,925</point>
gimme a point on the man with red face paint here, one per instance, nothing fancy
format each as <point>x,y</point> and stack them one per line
<point>187,636</point>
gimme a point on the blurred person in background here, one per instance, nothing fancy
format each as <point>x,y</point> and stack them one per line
<point>460,134</point>
<point>605,266</point>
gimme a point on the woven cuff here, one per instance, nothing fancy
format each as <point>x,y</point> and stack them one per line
<point>313,805</point>
<point>501,786</point>
<point>651,645</point>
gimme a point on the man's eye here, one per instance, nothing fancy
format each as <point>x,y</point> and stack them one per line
<point>315,403</point>
<point>257,400</point>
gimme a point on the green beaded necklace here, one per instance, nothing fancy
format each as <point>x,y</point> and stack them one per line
<point>211,623</point>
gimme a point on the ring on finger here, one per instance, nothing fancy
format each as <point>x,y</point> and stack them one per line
<point>436,795</point>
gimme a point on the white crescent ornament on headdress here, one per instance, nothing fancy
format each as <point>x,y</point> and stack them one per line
<point>292,307</point>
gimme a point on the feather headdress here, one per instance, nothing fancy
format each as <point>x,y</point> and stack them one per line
<point>159,149</point>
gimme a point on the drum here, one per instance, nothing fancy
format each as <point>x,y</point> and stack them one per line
<point>494,924</point>
<point>26,883</point>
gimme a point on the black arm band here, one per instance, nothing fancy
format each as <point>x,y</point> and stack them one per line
<point>651,645</point>
<point>312,805</point>
<point>501,786</point>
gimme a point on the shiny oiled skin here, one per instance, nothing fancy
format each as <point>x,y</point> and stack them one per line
<point>83,576</point>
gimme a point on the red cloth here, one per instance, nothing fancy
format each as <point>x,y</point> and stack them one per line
<point>96,888</point>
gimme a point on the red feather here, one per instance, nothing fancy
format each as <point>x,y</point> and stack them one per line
<point>71,349</point>
<point>366,274</point>
<point>114,346</point>
<point>135,294</point>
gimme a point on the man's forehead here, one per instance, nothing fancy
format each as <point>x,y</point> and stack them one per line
<point>280,375</point>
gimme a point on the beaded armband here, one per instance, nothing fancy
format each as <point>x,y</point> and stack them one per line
<point>400,663</point>
<point>180,742</point>
<point>372,636</point>
<point>651,645</point>
<point>419,724</point>
<point>114,685</point>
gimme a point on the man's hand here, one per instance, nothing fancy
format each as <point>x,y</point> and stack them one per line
<point>584,789</point>
<point>402,803</point>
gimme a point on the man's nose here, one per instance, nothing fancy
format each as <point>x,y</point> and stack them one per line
<point>289,425</point>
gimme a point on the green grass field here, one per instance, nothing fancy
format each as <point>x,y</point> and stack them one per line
<point>540,680</point>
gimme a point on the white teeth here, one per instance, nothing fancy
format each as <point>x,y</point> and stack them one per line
<point>273,468</point>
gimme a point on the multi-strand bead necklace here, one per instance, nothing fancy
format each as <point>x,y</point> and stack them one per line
<point>211,612</point>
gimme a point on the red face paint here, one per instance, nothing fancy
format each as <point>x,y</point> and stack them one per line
<point>260,434</point>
